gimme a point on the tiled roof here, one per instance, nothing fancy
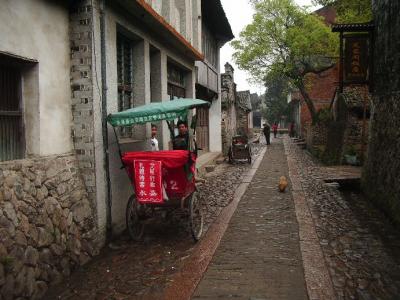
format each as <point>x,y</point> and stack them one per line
<point>355,99</point>
<point>355,27</point>
<point>215,19</point>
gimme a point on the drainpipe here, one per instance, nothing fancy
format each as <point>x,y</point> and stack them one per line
<point>106,162</point>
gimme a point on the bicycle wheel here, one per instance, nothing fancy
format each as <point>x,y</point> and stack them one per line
<point>133,223</point>
<point>196,219</point>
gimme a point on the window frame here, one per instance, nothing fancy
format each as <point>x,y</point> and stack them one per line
<point>15,150</point>
<point>125,81</point>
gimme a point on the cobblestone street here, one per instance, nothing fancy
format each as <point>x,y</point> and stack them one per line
<point>165,248</point>
<point>360,246</point>
<point>265,252</point>
<point>259,255</point>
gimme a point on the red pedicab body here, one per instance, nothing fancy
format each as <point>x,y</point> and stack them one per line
<point>177,173</point>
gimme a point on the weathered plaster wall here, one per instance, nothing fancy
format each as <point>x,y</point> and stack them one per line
<point>46,39</point>
<point>215,114</point>
<point>47,228</point>
<point>182,15</point>
<point>382,170</point>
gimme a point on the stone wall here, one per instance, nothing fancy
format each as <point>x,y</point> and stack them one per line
<point>46,224</point>
<point>243,105</point>
<point>228,108</point>
<point>382,169</point>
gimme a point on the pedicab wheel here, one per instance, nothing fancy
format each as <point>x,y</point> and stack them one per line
<point>133,223</point>
<point>196,219</point>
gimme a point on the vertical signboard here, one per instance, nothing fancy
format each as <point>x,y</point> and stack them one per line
<point>148,182</point>
<point>356,60</point>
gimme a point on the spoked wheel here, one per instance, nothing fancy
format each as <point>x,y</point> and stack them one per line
<point>133,223</point>
<point>196,220</point>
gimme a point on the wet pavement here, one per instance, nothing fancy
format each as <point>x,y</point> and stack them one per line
<point>357,254</point>
<point>259,256</point>
<point>360,246</point>
<point>129,270</point>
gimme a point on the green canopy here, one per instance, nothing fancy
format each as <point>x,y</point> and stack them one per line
<point>156,111</point>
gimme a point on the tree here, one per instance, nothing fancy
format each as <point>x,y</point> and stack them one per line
<point>284,40</point>
<point>350,11</point>
<point>275,99</point>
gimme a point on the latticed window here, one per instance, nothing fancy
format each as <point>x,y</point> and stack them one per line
<point>176,82</point>
<point>209,47</point>
<point>125,77</point>
<point>11,119</point>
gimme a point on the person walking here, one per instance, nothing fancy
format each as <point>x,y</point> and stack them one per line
<point>291,130</point>
<point>267,133</point>
<point>275,129</point>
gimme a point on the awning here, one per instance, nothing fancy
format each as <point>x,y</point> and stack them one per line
<point>156,111</point>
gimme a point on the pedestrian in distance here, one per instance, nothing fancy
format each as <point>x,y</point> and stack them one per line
<point>275,129</point>
<point>291,130</point>
<point>267,133</point>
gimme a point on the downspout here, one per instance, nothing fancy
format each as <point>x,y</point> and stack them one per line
<point>106,163</point>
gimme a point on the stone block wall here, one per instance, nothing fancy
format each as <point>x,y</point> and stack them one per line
<point>46,224</point>
<point>381,173</point>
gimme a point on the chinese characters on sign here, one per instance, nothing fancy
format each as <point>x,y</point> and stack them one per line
<point>148,181</point>
<point>356,59</point>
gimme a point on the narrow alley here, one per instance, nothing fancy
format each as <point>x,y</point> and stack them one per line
<point>263,252</point>
<point>199,149</point>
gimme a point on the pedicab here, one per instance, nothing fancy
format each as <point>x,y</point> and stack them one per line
<point>239,149</point>
<point>163,181</point>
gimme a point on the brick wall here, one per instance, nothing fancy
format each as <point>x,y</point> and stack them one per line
<point>322,89</point>
<point>382,169</point>
<point>81,28</point>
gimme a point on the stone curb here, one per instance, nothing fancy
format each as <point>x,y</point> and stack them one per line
<point>184,283</point>
<point>318,281</point>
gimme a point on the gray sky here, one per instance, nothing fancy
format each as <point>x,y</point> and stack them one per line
<point>239,13</point>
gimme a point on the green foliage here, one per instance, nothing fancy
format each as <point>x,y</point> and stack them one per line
<point>285,40</point>
<point>350,150</point>
<point>275,99</point>
<point>256,101</point>
<point>324,115</point>
<point>350,11</point>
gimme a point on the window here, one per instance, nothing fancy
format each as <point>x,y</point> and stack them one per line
<point>176,82</point>
<point>125,78</point>
<point>209,47</point>
<point>11,117</point>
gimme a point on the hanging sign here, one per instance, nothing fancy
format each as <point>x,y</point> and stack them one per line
<point>148,182</point>
<point>356,60</point>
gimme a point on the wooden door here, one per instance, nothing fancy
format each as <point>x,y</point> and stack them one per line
<point>202,129</point>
